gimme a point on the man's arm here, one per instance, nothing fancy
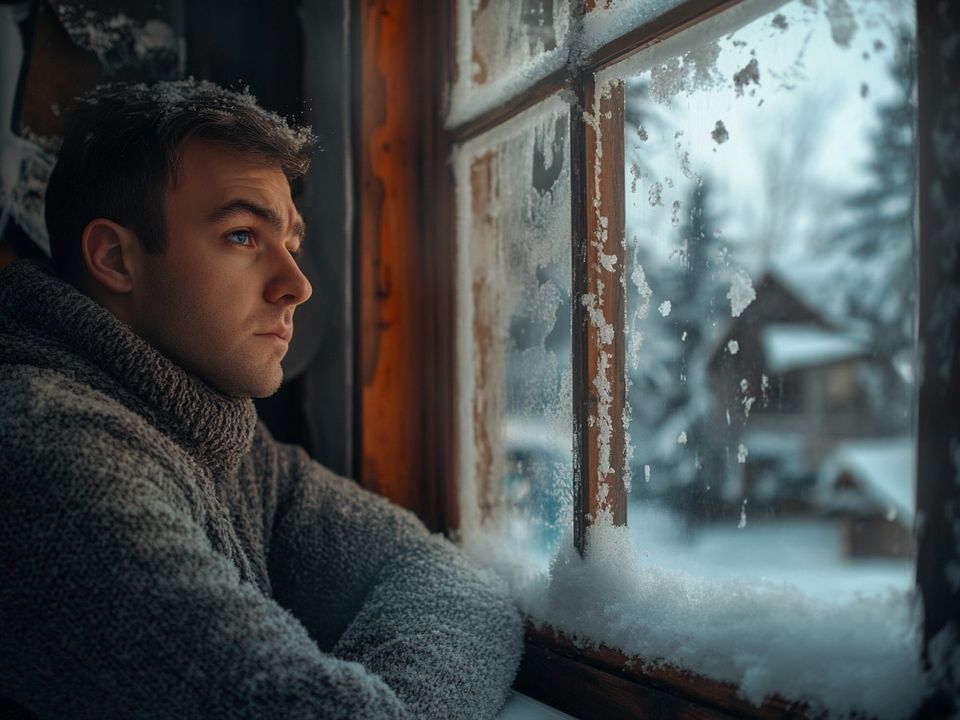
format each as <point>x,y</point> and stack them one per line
<point>113,603</point>
<point>373,586</point>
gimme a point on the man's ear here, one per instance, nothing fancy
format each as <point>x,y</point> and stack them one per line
<point>110,252</point>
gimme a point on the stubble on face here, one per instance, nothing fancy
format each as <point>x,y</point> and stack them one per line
<point>209,343</point>
<point>209,303</point>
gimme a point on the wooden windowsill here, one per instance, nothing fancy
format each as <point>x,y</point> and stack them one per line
<point>600,682</point>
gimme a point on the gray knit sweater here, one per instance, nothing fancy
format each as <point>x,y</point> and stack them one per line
<point>161,556</point>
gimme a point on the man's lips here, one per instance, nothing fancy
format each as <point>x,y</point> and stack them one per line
<point>284,333</point>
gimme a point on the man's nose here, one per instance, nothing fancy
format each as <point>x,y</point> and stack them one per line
<point>289,285</point>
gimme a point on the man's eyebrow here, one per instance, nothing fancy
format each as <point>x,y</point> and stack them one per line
<point>239,206</point>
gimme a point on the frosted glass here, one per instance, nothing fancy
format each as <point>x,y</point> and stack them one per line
<point>608,19</point>
<point>503,47</point>
<point>771,215</point>
<point>514,343</point>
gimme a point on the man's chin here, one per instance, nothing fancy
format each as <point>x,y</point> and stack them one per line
<point>254,385</point>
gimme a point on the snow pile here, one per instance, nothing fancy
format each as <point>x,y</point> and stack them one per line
<point>767,638</point>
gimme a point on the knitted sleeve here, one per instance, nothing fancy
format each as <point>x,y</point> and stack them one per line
<point>373,586</point>
<point>113,603</point>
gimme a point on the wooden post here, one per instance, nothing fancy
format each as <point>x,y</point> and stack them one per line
<point>938,431</point>
<point>403,353</point>
<point>600,311</point>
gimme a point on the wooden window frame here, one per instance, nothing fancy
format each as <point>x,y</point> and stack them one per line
<point>404,351</point>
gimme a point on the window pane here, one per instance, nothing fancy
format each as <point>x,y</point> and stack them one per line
<point>503,47</point>
<point>770,220</point>
<point>771,229</point>
<point>514,342</point>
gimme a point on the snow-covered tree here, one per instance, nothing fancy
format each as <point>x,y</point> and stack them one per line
<point>878,241</point>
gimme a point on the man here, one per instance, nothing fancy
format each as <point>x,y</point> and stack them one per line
<point>161,555</point>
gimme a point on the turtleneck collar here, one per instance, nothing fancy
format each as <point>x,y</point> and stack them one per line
<point>48,323</point>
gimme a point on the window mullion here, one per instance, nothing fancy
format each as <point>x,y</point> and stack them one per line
<point>600,309</point>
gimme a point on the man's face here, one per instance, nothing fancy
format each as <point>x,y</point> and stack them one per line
<point>220,300</point>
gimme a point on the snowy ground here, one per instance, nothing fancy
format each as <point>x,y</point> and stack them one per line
<point>806,553</point>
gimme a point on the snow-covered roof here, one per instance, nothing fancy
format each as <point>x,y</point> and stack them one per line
<point>811,280</point>
<point>788,346</point>
<point>884,468</point>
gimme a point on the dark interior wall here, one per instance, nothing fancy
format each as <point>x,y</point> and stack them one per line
<point>242,43</point>
<point>291,54</point>
<point>328,26</point>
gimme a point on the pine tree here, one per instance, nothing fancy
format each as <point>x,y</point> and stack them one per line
<point>878,239</point>
<point>693,283</point>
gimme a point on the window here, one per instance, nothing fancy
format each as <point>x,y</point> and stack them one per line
<point>467,98</point>
<point>686,322</point>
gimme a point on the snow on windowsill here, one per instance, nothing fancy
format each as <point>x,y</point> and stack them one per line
<point>767,638</point>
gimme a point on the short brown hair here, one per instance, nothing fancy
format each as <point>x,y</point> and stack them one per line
<point>121,152</point>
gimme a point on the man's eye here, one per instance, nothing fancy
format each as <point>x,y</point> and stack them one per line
<point>240,237</point>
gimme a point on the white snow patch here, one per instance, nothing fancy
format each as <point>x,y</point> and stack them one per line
<point>645,292</point>
<point>733,347</point>
<point>741,292</point>
<point>742,453</point>
<point>664,308</point>
<point>607,262</point>
<point>605,330</point>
